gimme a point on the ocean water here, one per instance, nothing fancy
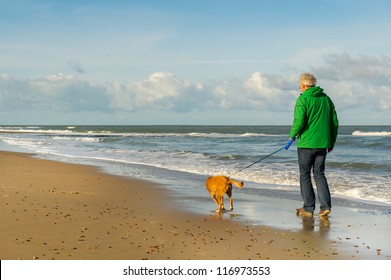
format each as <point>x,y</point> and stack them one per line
<point>358,170</point>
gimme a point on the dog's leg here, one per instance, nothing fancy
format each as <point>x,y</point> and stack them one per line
<point>219,202</point>
<point>215,199</point>
<point>231,203</point>
<point>222,203</point>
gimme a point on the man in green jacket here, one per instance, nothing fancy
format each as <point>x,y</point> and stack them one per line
<point>316,126</point>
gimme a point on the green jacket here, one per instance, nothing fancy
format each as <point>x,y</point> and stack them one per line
<point>315,120</point>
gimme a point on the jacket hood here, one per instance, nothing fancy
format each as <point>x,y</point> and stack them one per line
<point>314,92</point>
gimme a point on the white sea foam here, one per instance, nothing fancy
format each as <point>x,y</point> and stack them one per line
<point>82,139</point>
<point>373,133</point>
<point>208,153</point>
<point>360,194</point>
<point>36,131</point>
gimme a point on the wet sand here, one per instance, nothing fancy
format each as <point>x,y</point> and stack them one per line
<point>51,210</point>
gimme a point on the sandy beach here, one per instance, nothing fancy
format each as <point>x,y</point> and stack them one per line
<point>51,210</point>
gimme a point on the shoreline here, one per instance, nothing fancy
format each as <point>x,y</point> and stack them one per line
<point>53,210</point>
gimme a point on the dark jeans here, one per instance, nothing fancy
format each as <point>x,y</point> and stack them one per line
<point>313,159</point>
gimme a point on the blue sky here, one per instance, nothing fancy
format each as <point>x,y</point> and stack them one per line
<point>190,62</point>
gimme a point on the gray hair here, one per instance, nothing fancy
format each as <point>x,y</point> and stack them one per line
<point>307,79</point>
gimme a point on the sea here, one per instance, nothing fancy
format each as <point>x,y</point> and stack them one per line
<point>358,169</point>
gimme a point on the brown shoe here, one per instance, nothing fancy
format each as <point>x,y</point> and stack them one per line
<point>302,213</point>
<point>324,213</point>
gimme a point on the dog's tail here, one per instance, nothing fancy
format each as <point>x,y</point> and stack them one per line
<point>239,185</point>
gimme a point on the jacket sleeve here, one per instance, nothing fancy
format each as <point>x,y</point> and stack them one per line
<point>334,124</point>
<point>299,119</point>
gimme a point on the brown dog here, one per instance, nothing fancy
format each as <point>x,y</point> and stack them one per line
<point>217,186</point>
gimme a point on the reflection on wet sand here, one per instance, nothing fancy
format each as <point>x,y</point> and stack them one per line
<point>309,224</point>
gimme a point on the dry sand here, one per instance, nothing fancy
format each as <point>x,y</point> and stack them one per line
<point>51,210</point>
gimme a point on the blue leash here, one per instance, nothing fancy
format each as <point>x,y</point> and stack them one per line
<point>286,147</point>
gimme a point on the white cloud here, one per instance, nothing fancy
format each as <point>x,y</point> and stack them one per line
<point>160,91</point>
<point>362,81</point>
<point>58,93</point>
<point>385,101</point>
<point>352,82</point>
